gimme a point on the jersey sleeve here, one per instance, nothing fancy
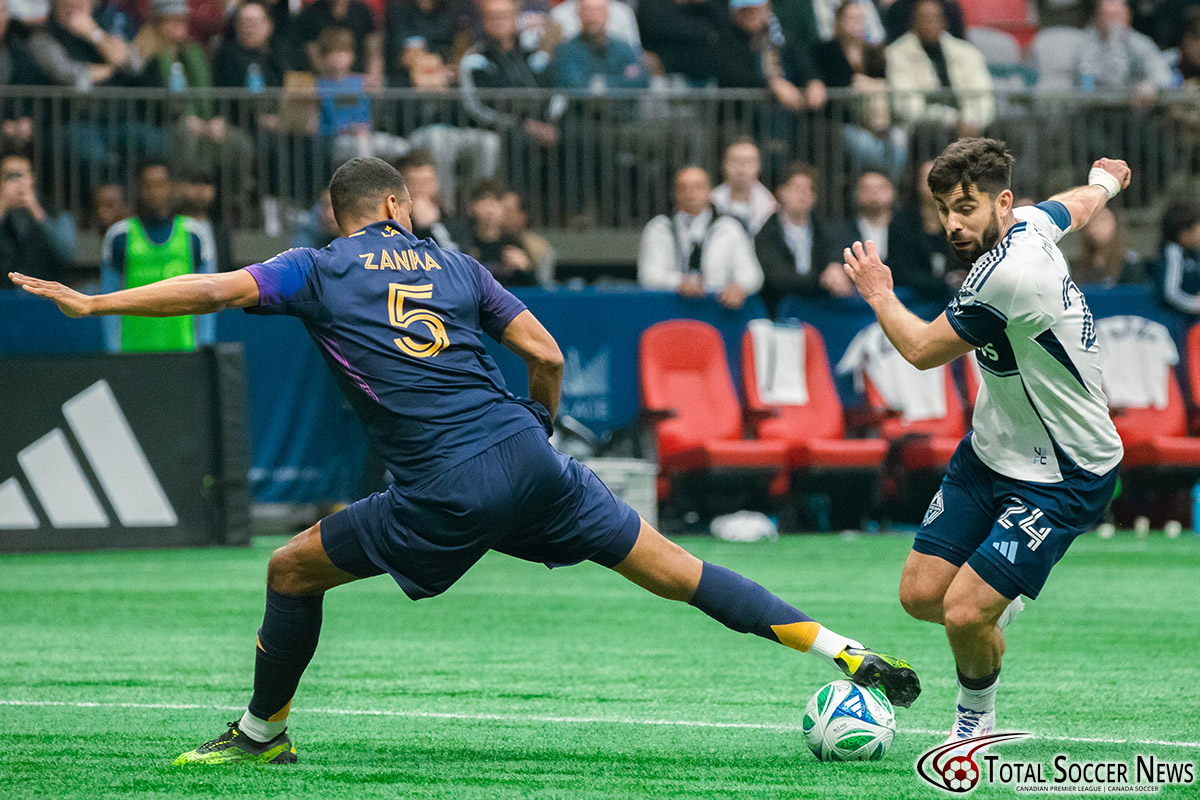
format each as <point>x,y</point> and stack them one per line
<point>1050,217</point>
<point>285,283</point>
<point>994,297</point>
<point>497,305</point>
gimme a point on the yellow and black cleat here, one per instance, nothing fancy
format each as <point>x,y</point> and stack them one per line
<point>893,675</point>
<point>233,746</point>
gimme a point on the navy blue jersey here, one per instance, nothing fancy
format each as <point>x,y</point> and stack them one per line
<point>400,322</point>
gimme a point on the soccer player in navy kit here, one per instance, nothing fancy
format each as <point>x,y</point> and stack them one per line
<point>400,322</point>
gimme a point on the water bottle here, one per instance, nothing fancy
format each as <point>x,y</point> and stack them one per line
<point>1196,509</point>
<point>254,79</point>
<point>1087,83</point>
<point>178,81</point>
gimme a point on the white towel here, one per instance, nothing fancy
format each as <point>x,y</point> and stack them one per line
<point>1136,357</point>
<point>915,394</point>
<point>779,363</point>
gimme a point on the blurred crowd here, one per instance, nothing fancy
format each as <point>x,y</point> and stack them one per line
<point>943,58</point>
<point>740,238</point>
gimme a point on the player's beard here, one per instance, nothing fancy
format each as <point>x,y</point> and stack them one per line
<point>969,255</point>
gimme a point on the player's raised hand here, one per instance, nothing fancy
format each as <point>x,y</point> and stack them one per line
<point>864,266</point>
<point>1115,167</point>
<point>70,302</point>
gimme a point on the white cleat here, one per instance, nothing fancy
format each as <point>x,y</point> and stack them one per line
<point>968,724</point>
<point>1014,608</point>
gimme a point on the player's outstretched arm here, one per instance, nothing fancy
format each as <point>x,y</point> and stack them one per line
<point>1107,177</point>
<point>527,337</point>
<point>173,297</point>
<point>923,344</point>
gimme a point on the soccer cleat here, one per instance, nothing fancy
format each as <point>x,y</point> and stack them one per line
<point>235,746</point>
<point>1010,613</point>
<point>894,675</point>
<point>969,724</point>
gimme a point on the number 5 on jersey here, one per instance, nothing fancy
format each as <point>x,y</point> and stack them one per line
<point>397,292</point>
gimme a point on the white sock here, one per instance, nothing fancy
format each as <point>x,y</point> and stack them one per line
<point>260,730</point>
<point>828,644</point>
<point>978,699</point>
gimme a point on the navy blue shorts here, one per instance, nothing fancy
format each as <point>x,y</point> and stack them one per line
<point>520,497</point>
<point>1011,532</point>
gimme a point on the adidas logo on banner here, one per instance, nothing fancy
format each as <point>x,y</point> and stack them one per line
<point>1007,549</point>
<point>63,490</point>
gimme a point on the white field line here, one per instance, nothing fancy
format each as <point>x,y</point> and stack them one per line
<point>524,718</point>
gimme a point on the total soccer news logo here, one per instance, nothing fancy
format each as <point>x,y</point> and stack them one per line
<point>960,766</point>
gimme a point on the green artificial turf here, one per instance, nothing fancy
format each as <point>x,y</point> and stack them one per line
<point>525,683</point>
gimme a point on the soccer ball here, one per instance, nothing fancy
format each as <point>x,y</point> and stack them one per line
<point>847,722</point>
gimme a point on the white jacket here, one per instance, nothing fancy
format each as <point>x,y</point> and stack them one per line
<point>728,256</point>
<point>911,73</point>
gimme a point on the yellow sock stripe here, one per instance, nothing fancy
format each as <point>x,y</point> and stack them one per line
<point>797,635</point>
<point>281,714</point>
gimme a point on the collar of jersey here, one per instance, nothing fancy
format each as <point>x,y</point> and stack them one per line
<point>386,223</point>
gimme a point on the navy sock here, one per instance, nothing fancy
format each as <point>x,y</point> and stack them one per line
<point>286,643</point>
<point>746,607</point>
<point>977,684</point>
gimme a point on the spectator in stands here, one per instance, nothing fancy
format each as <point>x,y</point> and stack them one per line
<point>116,18</point>
<point>798,254</point>
<point>1178,267</point>
<point>176,63</point>
<point>250,59</point>
<point>16,69</point>
<point>943,263</point>
<point>429,217</point>
<point>928,60</point>
<point>1103,258</point>
<point>827,12</point>
<point>515,223</point>
<point>752,53</point>
<point>897,18</point>
<point>350,15</point>
<point>1185,60</point>
<point>499,61</point>
<point>317,227</point>
<point>73,50</point>
<point>697,251</point>
<point>593,59</point>
<point>742,195</point>
<point>897,240</point>
<point>680,37</point>
<point>109,206</point>
<point>32,241</point>
<point>620,25</point>
<point>149,247</point>
<point>344,109</point>
<point>489,244</point>
<point>1114,56</point>
<point>195,194</point>
<point>443,28</point>
<point>851,60</point>
<point>29,14</point>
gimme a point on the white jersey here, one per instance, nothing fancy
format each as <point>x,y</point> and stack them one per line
<point>1040,410</point>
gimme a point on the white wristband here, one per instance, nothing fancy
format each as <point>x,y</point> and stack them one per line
<point>1102,177</point>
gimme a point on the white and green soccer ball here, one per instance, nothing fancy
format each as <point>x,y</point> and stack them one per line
<point>847,722</point>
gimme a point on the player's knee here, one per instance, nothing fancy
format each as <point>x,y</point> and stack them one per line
<point>963,616</point>
<point>284,574</point>
<point>920,602</point>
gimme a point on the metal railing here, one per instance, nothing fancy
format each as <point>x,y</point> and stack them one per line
<point>615,155</point>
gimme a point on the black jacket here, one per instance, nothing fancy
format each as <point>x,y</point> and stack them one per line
<point>908,256</point>
<point>779,263</point>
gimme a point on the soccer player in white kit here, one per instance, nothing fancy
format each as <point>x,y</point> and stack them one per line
<point>1040,465</point>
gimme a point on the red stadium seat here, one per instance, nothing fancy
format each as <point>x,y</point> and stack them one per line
<point>1156,439</point>
<point>1193,377</point>
<point>925,444</point>
<point>689,398</point>
<point>814,433</point>
<point>1014,17</point>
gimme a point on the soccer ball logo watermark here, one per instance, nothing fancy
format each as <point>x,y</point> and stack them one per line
<point>951,767</point>
<point>961,774</point>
